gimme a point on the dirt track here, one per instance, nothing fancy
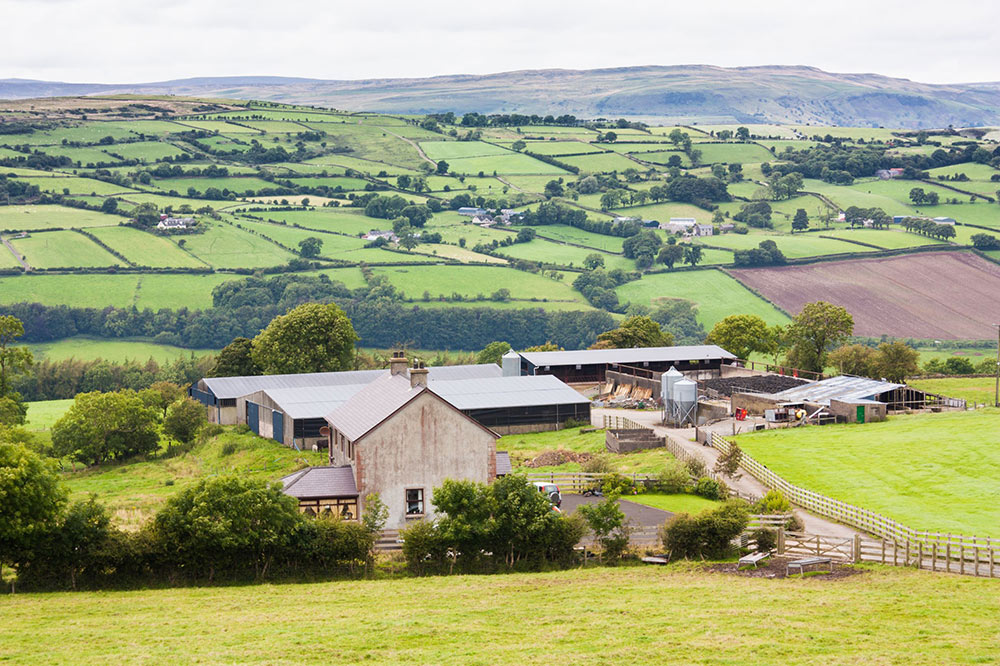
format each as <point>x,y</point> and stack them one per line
<point>942,295</point>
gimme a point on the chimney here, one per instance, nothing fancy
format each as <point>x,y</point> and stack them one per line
<point>418,375</point>
<point>397,366</point>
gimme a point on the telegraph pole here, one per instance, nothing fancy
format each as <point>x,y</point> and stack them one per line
<point>996,394</point>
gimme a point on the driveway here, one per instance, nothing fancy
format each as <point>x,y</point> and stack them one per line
<point>639,515</point>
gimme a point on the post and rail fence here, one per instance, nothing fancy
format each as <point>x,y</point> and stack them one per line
<point>897,544</point>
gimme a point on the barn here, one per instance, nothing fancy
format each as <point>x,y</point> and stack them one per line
<point>592,365</point>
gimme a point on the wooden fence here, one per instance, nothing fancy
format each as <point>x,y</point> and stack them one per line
<point>897,544</point>
<point>613,422</point>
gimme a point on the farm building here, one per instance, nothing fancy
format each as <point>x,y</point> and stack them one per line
<point>593,365</point>
<point>168,223</point>
<point>400,438</point>
<point>471,211</point>
<point>687,225</point>
<point>291,408</point>
<point>848,398</point>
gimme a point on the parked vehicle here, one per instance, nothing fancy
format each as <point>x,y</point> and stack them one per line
<point>550,490</point>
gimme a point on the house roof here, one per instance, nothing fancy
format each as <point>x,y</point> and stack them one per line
<point>503,463</point>
<point>374,403</point>
<point>317,482</point>
<point>313,401</point>
<point>237,387</point>
<point>845,387</point>
<point>632,355</point>
<point>501,392</point>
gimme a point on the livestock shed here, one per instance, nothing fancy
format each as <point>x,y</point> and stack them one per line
<point>592,365</point>
<point>226,396</point>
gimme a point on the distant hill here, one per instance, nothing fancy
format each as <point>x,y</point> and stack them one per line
<point>683,93</point>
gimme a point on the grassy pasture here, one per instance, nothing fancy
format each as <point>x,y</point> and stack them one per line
<point>62,249</point>
<point>551,252</point>
<point>716,294</point>
<point>474,280</point>
<point>886,238</point>
<point>976,390</point>
<point>512,163</point>
<point>712,153</point>
<point>557,148</point>
<point>146,151</point>
<point>928,471</point>
<point>220,126</point>
<point>334,245</point>
<point>84,155</point>
<point>43,414</point>
<point>449,150</point>
<point>239,184</point>
<point>339,220</point>
<point>359,164</point>
<point>85,133</point>
<point>225,246</point>
<point>782,131</point>
<point>855,133</point>
<point>146,249</point>
<point>23,218</point>
<point>799,245</point>
<point>77,185</point>
<point>569,234</point>
<point>117,350</point>
<point>99,290</point>
<point>343,182</point>
<point>661,157</point>
<point>601,163</point>
<point>499,619</point>
<point>7,258</point>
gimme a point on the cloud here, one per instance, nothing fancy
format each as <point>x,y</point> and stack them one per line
<point>116,41</point>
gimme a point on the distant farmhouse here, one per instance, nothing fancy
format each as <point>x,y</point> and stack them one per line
<point>168,223</point>
<point>471,211</point>
<point>688,226</point>
<point>889,174</point>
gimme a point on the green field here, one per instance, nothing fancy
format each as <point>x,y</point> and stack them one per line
<point>44,413</point>
<point>344,221</point>
<point>567,234</point>
<point>601,163</point>
<point>59,184</point>
<point>889,239</point>
<point>976,390</point>
<point>97,290</point>
<point>550,252</point>
<point>61,249</point>
<point>225,246</point>
<point>733,153</point>
<point>511,163</point>
<point>931,472</point>
<point>117,350</point>
<point>634,615</point>
<point>715,293</point>
<point>146,249</point>
<point>675,503</point>
<point>449,150</point>
<point>472,280</point>
<point>793,246</point>
<point>146,151</point>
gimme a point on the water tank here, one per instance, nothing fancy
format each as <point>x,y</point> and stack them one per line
<point>685,399</point>
<point>511,364</point>
<point>667,381</point>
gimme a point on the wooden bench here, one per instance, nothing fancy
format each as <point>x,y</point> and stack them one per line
<point>808,562</point>
<point>655,560</point>
<point>752,558</point>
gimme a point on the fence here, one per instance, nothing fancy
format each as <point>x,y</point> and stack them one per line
<point>908,547</point>
<point>613,422</point>
<point>575,482</point>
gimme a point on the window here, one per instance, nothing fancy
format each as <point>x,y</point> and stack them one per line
<point>415,501</point>
<point>227,402</point>
<point>345,507</point>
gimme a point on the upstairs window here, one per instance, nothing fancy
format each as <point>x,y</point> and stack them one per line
<point>415,502</point>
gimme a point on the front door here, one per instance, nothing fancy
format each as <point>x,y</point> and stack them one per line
<point>861,413</point>
<point>253,416</point>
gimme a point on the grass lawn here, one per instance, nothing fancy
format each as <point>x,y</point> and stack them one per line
<point>133,491</point>
<point>716,294</point>
<point>63,249</point>
<point>634,615</point>
<point>932,472</point>
<point>978,390</point>
<point>43,413</point>
<point>117,350</point>
<point>146,249</point>
<point>674,503</point>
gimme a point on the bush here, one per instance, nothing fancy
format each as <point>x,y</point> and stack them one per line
<point>696,467</point>
<point>772,503</point>
<point>423,547</point>
<point>209,431</point>
<point>766,540</point>
<point>617,484</point>
<point>576,423</point>
<point>673,479</point>
<point>609,526</point>
<point>597,465</point>
<point>707,535</point>
<point>708,488</point>
<point>241,429</point>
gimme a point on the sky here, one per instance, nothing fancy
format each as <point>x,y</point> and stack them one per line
<point>111,41</point>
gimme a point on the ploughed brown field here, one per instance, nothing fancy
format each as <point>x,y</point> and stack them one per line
<point>943,295</point>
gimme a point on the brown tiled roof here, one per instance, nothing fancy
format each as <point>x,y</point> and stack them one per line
<point>319,482</point>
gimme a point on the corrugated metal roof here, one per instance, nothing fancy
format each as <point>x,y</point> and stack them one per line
<point>314,401</point>
<point>237,387</point>
<point>371,405</point>
<point>632,355</point>
<point>500,392</point>
<point>844,387</point>
<point>503,463</point>
<point>317,482</point>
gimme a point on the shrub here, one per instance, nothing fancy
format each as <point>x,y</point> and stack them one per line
<point>597,465</point>
<point>766,540</point>
<point>696,467</point>
<point>673,479</point>
<point>229,448</point>
<point>241,429</point>
<point>609,526</point>
<point>708,488</point>
<point>423,547</point>
<point>576,423</point>
<point>617,484</point>
<point>707,535</point>
<point>209,431</point>
<point>771,503</point>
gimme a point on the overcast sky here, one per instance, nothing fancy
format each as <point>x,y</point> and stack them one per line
<point>112,41</point>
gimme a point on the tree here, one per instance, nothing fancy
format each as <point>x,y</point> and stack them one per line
<point>670,255</point>
<point>184,419</point>
<point>593,260</point>
<point>32,499</point>
<point>692,255</point>
<point>741,335</point>
<point>853,360</point>
<point>742,134</point>
<point>895,361</point>
<point>146,215</point>
<point>106,426</point>
<point>493,353</point>
<point>518,145</point>
<point>310,247</point>
<point>442,168</point>
<point>161,395</point>
<point>728,463</point>
<point>801,220</point>
<point>787,186</point>
<point>525,235</point>
<point>608,524</point>
<point>637,331</point>
<point>236,360</point>
<point>313,337</point>
<point>985,242</point>
<point>819,327</point>
<point>554,188</point>
<point>109,205</point>
<point>13,360</point>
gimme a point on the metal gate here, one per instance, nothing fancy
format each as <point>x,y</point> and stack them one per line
<point>278,426</point>
<point>253,416</point>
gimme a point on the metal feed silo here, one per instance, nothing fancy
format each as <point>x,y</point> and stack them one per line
<point>511,364</point>
<point>667,381</point>
<point>685,399</point>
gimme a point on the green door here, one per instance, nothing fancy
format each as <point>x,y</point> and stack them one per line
<point>861,413</point>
